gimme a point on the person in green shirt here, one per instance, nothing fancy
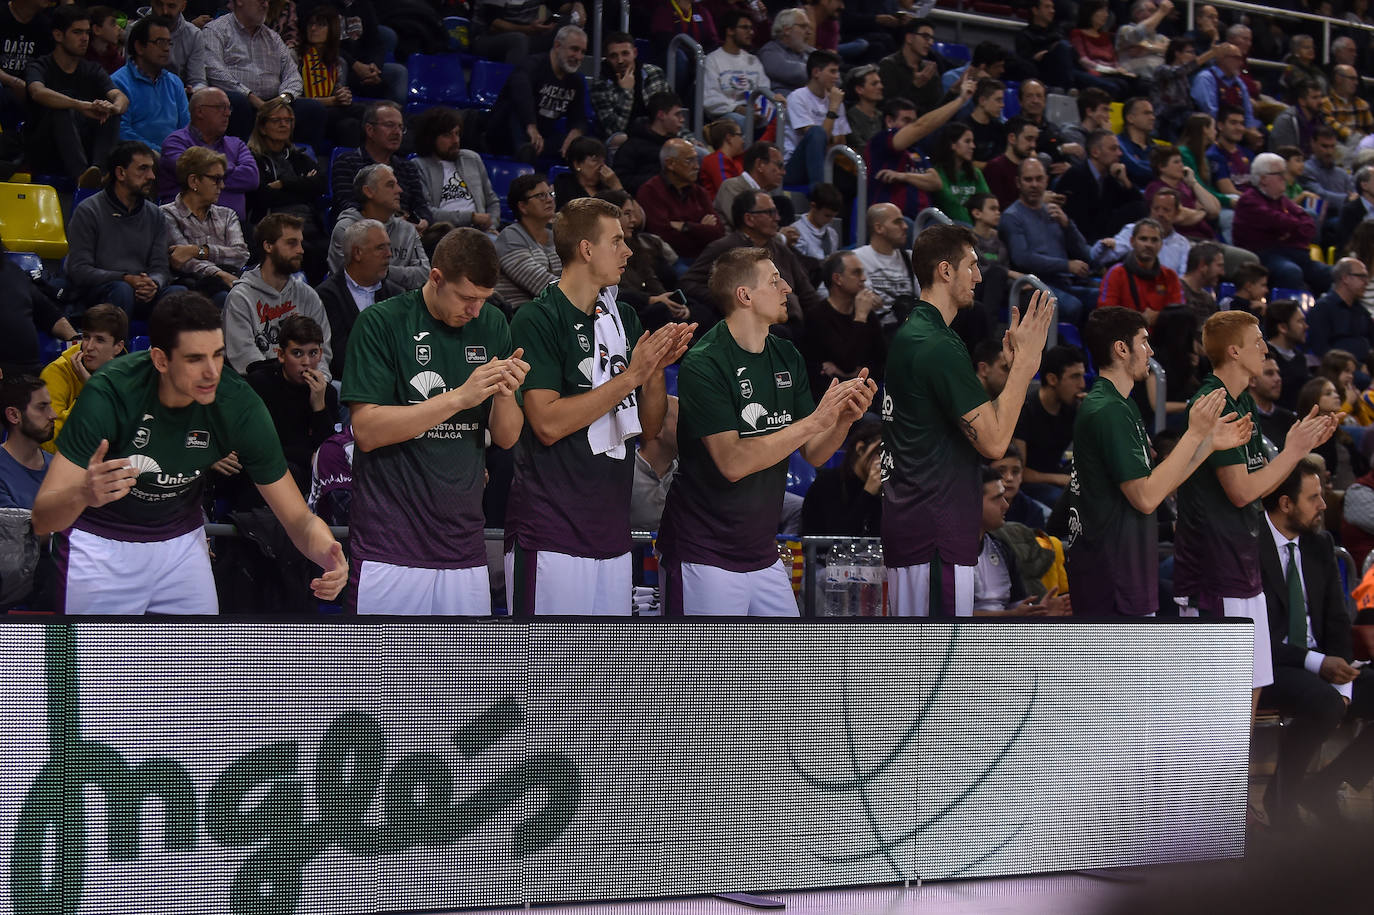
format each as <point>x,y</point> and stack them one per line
<point>960,178</point>
<point>595,381</point>
<point>1114,489</point>
<point>937,421</point>
<point>1220,518</point>
<point>125,486</point>
<point>429,374</point>
<point>745,405</point>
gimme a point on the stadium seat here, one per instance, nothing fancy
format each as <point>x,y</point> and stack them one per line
<point>1118,117</point>
<point>329,176</point>
<point>670,378</point>
<point>459,30</point>
<point>1061,109</point>
<point>31,264</point>
<point>954,51</point>
<point>31,220</point>
<point>488,76</point>
<point>1225,290</point>
<point>436,79</point>
<point>1069,335</point>
<point>140,343</point>
<point>800,474</point>
<point>50,348</point>
<point>1011,100</point>
<point>82,193</point>
<point>557,170</point>
<point>502,172</point>
<point>1304,299</point>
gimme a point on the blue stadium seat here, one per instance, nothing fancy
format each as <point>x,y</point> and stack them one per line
<point>50,348</point>
<point>488,76</point>
<point>670,378</point>
<point>82,193</point>
<point>954,51</point>
<point>140,343</point>
<point>557,170</point>
<point>1011,100</point>
<point>436,79</point>
<point>459,30</point>
<point>31,264</point>
<point>329,174</point>
<point>800,474</point>
<point>1069,335</point>
<point>1304,299</point>
<point>1225,290</point>
<point>502,172</point>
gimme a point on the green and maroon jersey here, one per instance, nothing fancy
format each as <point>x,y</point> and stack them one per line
<point>932,497</point>
<point>723,388</point>
<point>1113,549</point>
<point>171,448</point>
<point>565,498</point>
<point>418,503</point>
<point>1216,545</point>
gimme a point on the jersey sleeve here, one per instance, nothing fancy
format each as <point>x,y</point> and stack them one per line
<point>706,401</point>
<point>499,329</point>
<point>94,416</point>
<point>1117,438</point>
<point>533,330</point>
<point>255,439</point>
<point>953,381</point>
<point>370,372</point>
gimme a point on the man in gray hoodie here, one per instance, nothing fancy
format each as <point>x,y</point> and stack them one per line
<point>267,294</point>
<point>117,239</point>
<point>378,196</point>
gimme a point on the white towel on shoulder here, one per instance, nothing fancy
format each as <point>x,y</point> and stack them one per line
<point>607,434</point>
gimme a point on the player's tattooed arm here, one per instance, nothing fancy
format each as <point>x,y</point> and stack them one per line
<point>967,422</point>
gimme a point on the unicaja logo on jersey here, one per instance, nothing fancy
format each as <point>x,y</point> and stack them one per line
<point>143,464</point>
<point>422,354</point>
<point>428,384</point>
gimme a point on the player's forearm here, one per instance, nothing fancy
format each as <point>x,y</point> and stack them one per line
<point>822,446</point>
<point>744,456</point>
<point>506,421</point>
<point>1187,456</point>
<point>1246,488</point>
<point>57,509</point>
<point>376,426</point>
<point>653,405</point>
<point>556,420</point>
<point>1006,410</point>
<point>311,537</point>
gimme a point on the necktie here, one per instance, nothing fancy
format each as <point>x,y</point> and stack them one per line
<point>1297,606</point>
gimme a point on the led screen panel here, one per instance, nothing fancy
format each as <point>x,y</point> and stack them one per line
<point>261,768</point>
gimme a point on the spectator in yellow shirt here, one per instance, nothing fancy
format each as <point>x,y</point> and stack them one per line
<point>105,328</point>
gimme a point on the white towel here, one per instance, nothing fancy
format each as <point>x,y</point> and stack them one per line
<point>607,434</point>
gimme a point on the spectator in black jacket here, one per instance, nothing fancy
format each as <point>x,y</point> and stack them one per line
<point>637,159</point>
<point>1101,198</point>
<point>361,283</point>
<point>303,404</point>
<point>383,128</point>
<point>289,181</point>
<point>24,311</point>
<point>542,106</point>
<point>843,333</point>
<point>847,501</point>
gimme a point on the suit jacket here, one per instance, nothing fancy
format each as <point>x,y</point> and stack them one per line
<point>1325,600</point>
<point>1099,210</point>
<point>342,312</point>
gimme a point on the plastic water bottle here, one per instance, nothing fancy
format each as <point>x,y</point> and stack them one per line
<point>838,569</point>
<point>869,579</point>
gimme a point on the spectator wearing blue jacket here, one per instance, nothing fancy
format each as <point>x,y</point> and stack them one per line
<point>1042,240</point>
<point>157,97</point>
<point>1138,116</point>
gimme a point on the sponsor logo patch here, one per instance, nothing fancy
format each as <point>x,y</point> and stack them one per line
<point>782,379</point>
<point>584,343</point>
<point>746,387</point>
<point>197,438</point>
<point>422,354</point>
<point>141,437</point>
<point>477,354</point>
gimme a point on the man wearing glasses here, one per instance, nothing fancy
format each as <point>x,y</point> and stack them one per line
<point>209,128</point>
<point>157,98</point>
<point>383,129</point>
<point>912,73</point>
<point>755,216</point>
<point>1277,229</point>
<point>676,207</point>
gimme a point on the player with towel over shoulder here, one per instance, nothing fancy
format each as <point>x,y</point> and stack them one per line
<point>595,380</point>
<point>744,405</point>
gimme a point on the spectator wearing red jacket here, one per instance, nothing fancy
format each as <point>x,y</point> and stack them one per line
<point>1277,229</point>
<point>676,207</point>
<point>1141,282</point>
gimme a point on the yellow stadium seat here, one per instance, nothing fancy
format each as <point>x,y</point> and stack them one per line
<point>1118,119</point>
<point>1315,252</point>
<point>31,220</point>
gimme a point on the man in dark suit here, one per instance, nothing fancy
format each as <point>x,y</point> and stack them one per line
<point>363,281</point>
<point>1100,196</point>
<point>1311,645</point>
<point>1356,211</point>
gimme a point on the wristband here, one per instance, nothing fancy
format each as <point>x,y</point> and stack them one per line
<point>832,115</point>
